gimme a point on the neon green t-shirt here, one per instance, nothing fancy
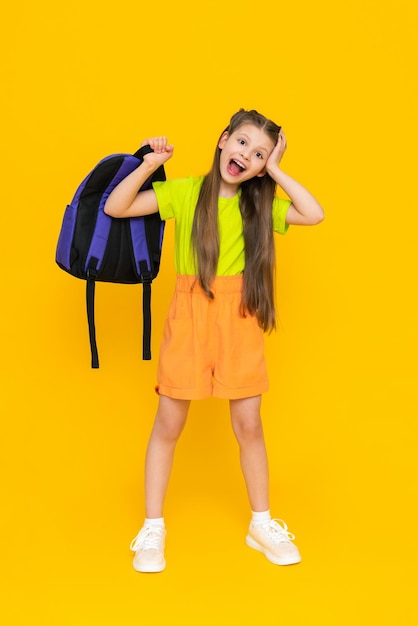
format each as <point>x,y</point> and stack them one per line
<point>178,198</point>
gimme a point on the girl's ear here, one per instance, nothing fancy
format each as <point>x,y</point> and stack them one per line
<point>223,140</point>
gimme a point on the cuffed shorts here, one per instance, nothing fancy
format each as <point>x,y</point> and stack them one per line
<point>208,347</point>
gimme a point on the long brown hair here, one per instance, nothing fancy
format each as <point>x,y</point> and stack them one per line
<point>256,202</point>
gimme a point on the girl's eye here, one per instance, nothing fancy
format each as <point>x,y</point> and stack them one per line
<point>241,141</point>
<point>258,155</point>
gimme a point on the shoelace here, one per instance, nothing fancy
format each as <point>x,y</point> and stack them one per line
<point>278,533</point>
<point>148,538</point>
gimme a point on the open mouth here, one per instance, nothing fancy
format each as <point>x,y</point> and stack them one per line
<point>235,167</point>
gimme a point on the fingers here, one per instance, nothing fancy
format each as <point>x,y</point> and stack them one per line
<point>282,141</point>
<point>278,151</point>
<point>159,144</point>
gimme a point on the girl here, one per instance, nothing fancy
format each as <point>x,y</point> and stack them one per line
<point>223,302</point>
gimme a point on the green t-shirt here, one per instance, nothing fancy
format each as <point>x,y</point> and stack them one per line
<point>178,198</point>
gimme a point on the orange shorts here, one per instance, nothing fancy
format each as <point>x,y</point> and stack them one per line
<point>208,348</point>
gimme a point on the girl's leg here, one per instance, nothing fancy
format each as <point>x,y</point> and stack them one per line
<point>264,534</point>
<point>168,425</point>
<point>248,429</point>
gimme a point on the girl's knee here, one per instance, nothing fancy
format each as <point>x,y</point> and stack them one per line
<point>171,418</point>
<point>248,429</point>
<point>168,431</point>
<point>246,418</point>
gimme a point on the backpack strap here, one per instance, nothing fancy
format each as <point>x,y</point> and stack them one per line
<point>90,293</point>
<point>143,266</point>
<point>146,279</point>
<point>143,150</point>
<point>139,242</point>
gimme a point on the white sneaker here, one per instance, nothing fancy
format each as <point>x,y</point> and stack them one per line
<point>274,541</point>
<point>148,546</point>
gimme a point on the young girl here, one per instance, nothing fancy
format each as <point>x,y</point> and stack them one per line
<point>223,302</point>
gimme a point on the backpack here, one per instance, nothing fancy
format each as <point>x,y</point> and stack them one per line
<point>97,247</point>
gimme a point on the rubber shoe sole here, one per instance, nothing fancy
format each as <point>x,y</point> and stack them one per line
<point>149,569</point>
<point>251,543</point>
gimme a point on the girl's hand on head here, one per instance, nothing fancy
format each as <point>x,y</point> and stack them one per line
<point>278,151</point>
<point>162,151</point>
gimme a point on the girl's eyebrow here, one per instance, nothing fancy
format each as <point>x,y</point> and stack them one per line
<point>258,147</point>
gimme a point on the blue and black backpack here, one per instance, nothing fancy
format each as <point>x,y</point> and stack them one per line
<point>96,247</point>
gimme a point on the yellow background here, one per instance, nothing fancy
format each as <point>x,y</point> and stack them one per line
<point>81,80</point>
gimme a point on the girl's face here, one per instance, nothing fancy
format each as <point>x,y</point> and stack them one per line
<point>244,155</point>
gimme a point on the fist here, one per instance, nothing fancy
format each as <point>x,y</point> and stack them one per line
<point>162,151</point>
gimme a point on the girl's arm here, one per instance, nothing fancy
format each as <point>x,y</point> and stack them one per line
<point>125,201</point>
<point>304,210</point>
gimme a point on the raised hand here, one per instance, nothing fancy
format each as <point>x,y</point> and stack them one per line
<point>162,151</point>
<point>278,152</point>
